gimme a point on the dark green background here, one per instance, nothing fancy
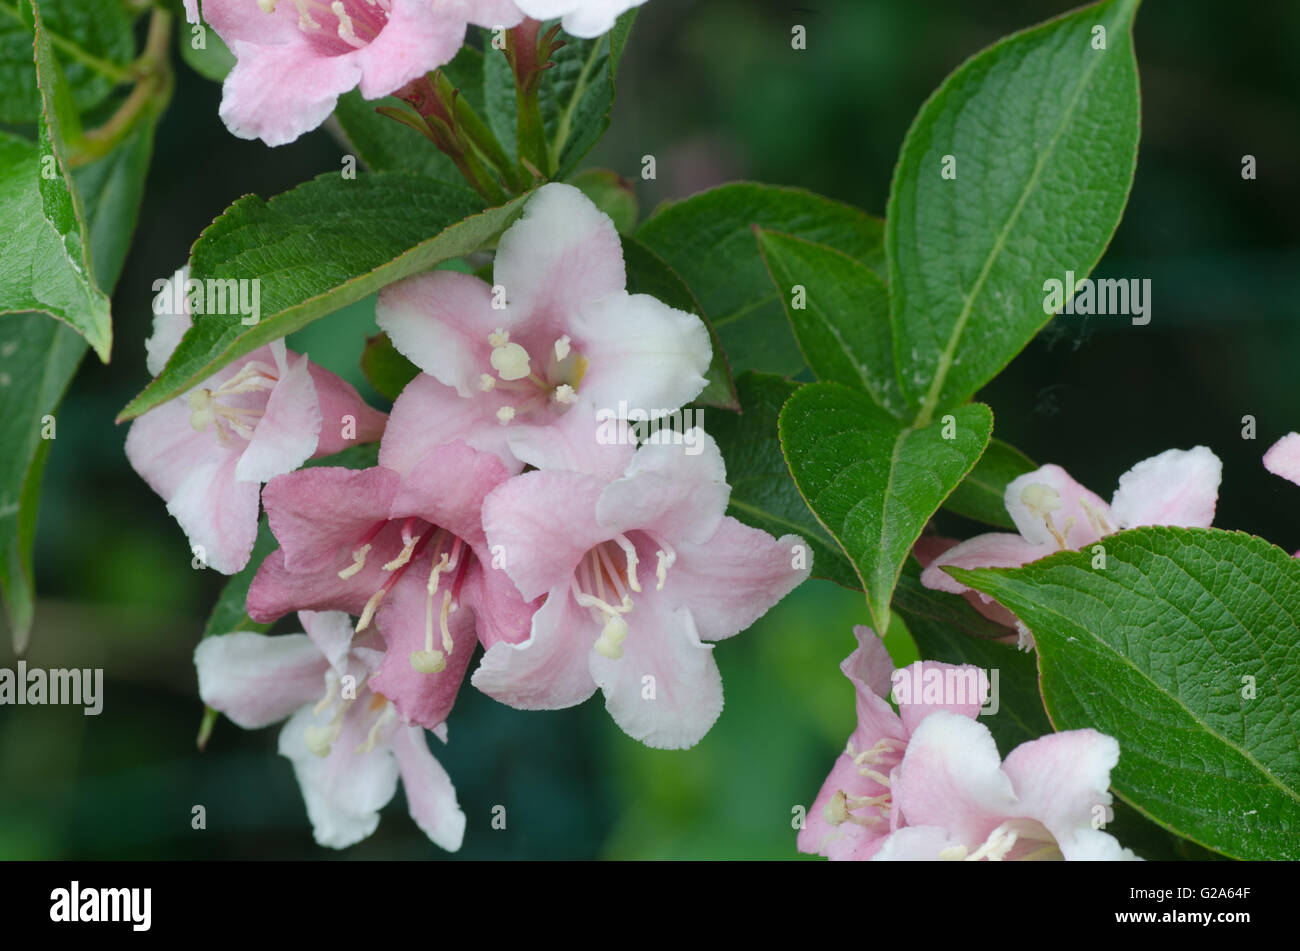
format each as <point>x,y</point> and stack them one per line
<point>715,92</point>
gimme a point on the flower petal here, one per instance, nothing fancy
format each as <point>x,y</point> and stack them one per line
<point>286,435</point>
<point>428,414</point>
<point>1062,780</point>
<point>277,92</point>
<point>257,680</point>
<point>218,513</point>
<point>331,632</point>
<point>1085,514</point>
<point>679,495</point>
<point>926,687</point>
<point>419,37</point>
<point>1177,487</point>
<point>640,352</point>
<point>406,617</point>
<point>562,253</point>
<point>951,776</point>
<point>344,790</point>
<point>440,322</point>
<point>665,690</point>
<point>429,792</point>
<point>992,550</point>
<point>320,514</point>
<point>346,419</point>
<point>549,671</point>
<point>447,488</point>
<point>542,524</point>
<point>732,580</point>
<point>1283,459</point>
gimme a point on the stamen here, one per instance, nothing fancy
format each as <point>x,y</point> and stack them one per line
<point>511,362</point>
<point>447,608</point>
<point>610,642</point>
<point>404,555</point>
<point>562,347</point>
<point>630,551</point>
<point>498,338</point>
<point>565,395</point>
<point>358,562</point>
<point>486,381</point>
<point>505,414</point>
<point>996,846</point>
<point>666,561</point>
<point>346,32</point>
<point>381,721</point>
<point>369,612</point>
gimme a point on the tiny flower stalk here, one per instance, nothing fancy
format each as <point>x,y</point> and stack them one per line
<point>434,99</point>
<point>529,55</point>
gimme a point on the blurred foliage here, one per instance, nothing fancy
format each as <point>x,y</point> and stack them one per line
<point>715,92</point>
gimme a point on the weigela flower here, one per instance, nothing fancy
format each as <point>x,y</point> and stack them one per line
<point>407,554</point>
<point>584,18</point>
<point>639,572</point>
<point>927,782</point>
<point>522,368</point>
<point>347,743</point>
<point>1054,513</point>
<point>207,452</point>
<point>294,58</point>
<point>854,812</point>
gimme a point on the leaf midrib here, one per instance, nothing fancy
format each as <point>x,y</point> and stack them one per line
<point>948,353</point>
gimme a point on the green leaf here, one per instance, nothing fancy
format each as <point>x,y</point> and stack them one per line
<point>38,357</point>
<point>709,240</point>
<point>92,36</point>
<point>385,145</point>
<point>575,96</point>
<point>1044,132</point>
<point>762,493</point>
<point>648,274</point>
<point>873,481</point>
<point>612,194</point>
<point>839,311</point>
<point>42,210</point>
<point>982,494</point>
<point>386,369</point>
<point>214,61</point>
<point>325,244</point>
<point>1183,648</point>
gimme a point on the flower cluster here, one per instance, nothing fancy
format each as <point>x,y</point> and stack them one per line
<point>294,58</point>
<point>927,782</point>
<point>507,510</point>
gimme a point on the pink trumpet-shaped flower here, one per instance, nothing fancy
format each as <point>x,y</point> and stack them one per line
<point>406,553</point>
<point>927,782</point>
<point>207,452</point>
<point>347,743</point>
<point>1054,513</point>
<point>584,18</point>
<point>854,812</point>
<point>294,58</point>
<point>1283,458</point>
<point>524,367</point>
<point>639,573</point>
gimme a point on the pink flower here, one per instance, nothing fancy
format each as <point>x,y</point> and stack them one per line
<point>960,802</point>
<point>585,18</point>
<point>854,812</point>
<point>1055,513</point>
<point>1283,458</point>
<point>927,782</point>
<point>346,741</point>
<point>523,368</point>
<point>639,572</point>
<point>408,554</point>
<point>207,453</point>
<point>294,58</point>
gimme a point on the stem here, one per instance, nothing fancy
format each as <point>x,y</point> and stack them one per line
<point>434,100</point>
<point>522,51</point>
<point>152,91</point>
<point>478,133</point>
<point>120,74</point>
